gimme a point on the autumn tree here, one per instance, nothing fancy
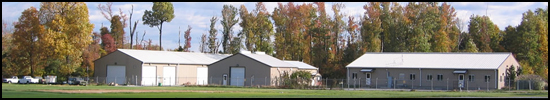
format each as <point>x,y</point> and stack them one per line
<point>229,12</point>
<point>257,29</point>
<point>371,27</point>
<point>91,53</point>
<point>68,32</point>
<point>109,43</point>
<point>418,38</point>
<point>26,40</point>
<point>481,29</point>
<point>161,12</point>
<point>8,67</point>
<point>187,38</point>
<point>117,31</point>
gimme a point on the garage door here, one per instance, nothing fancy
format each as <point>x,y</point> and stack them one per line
<point>237,76</point>
<point>116,74</point>
<point>202,76</point>
<point>169,76</point>
<point>148,75</point>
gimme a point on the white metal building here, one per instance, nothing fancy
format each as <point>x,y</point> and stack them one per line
<point>148,68</point>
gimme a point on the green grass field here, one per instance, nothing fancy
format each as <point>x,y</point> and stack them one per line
<point>31,91</point>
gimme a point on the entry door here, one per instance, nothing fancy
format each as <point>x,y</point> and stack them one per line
<point>368,78</point>
<point>460,80</point>
<point>169,76</point>
<point>224,79</point>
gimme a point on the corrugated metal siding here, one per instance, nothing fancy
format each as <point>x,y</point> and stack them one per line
<point>148,56</point>
<point>431,60</point>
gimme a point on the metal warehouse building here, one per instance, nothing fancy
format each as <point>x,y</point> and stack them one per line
<point>148,68</point>
<point>431,70</point>
<point>253,69</point>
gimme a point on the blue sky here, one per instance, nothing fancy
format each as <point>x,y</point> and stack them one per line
<point>198,14</point>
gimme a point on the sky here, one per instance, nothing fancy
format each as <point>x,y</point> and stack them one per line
<point>198,15</point>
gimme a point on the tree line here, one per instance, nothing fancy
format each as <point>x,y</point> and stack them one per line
<point>43,42</point>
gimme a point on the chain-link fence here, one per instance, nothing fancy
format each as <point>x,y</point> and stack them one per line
<point>325,83</point>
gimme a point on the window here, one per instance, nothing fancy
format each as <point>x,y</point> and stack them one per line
<point>471,78</point>
<point>354,76</point>
<point>429,78</point>
<point>412,76</point>
<point>439,77</point>
<point>487,78</point>
<point>401,76</point>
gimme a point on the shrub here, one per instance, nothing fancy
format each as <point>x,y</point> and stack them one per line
<point>534,81</point>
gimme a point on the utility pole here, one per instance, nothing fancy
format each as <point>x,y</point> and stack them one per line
<point>179,37</point>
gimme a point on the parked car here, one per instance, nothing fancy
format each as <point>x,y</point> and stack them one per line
<point>10,80</point>
<point>77,81</point>
<point>40,79</point>
<point>28,79</point>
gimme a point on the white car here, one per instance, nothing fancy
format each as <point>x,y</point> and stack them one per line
<point>11,80</point>
<point>28,79</point>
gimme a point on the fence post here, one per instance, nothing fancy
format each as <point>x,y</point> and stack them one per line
<point>517,85</point>
<point>136,80</point>
<point>96,80</point>
<point>359,83</point>
<point>354,81</point>
<point>447,83</point>
<point>412,86</point>
<point>487,86</point>
<point>376,83</point>
<point>432,84</point>
<point>394,81</point>
<point>343,84</point>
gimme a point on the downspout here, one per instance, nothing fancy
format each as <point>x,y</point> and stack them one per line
<point>420,77</point>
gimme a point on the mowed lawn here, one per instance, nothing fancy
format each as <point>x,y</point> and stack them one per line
<point>32,91</point>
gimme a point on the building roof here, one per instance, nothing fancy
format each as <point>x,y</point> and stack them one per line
<point>267,59</point>
<point>431,60</point>
<point>300,65</point>
<point>149,56</point>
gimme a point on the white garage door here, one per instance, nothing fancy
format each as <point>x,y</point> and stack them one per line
<point>237,76</point>
<point>169,76</point>
<point>148,75</point>
<point>202,75</point>
<point>116,74</point>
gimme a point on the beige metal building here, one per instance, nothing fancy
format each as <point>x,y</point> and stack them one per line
<point>470,71</point>
<point>149,68</point>
<point>253,69</point>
